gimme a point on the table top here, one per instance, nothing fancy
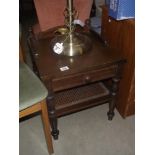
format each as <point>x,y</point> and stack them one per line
<point>49,64</point>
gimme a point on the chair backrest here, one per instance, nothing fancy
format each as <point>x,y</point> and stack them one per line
<point>50,12</point>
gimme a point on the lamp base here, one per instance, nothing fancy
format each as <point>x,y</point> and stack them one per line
<point>71,44</point>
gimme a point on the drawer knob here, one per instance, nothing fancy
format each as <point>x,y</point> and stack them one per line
<point>36,54</point>
<point>109,20</point>
<point>87,79</point>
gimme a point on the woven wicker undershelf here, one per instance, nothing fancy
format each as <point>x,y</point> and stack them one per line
<point>80,98</point>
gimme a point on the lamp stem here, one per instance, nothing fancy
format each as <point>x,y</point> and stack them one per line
<point>70,10</point>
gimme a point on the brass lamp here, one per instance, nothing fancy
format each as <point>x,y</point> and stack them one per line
<point>67,41</point>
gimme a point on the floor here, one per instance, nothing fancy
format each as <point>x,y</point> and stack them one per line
<point>84,133</point>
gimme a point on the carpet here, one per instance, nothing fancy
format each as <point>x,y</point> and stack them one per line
<point>84,133</point>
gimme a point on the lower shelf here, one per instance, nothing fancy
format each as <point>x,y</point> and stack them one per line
<point>79,98</point>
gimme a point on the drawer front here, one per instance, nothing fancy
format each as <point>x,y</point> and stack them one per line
<point>83,78</point>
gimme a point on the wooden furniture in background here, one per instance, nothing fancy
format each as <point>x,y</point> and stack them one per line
<point>121,35</point>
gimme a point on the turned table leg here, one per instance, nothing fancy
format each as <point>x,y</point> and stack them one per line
<point>112,104</point>
<point>52,116</point>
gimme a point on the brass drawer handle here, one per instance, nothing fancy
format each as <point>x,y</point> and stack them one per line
<point>87,79</point>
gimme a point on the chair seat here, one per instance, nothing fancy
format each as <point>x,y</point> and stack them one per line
<point>31,90</point>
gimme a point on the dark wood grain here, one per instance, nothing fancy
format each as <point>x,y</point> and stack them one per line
<point>121,35</point>
<point>95,66</point>
<point>49,64</point>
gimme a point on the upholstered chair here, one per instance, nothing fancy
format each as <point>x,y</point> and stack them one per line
<point>32,98</point>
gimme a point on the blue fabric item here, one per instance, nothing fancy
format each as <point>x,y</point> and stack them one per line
<point>122,9</point>
<point>107,2</point>
<point>31,89</point>
<point>96,24</point>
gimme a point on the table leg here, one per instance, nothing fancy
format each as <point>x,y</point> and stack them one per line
<point>112,104</point>
<point>52,116</point>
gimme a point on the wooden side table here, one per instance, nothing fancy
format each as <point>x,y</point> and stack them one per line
<point>81,84</point>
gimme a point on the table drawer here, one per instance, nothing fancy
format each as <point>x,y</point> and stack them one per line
<point>83,78</point>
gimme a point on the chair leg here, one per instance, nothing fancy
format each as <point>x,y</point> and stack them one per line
<point>46,125</point>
